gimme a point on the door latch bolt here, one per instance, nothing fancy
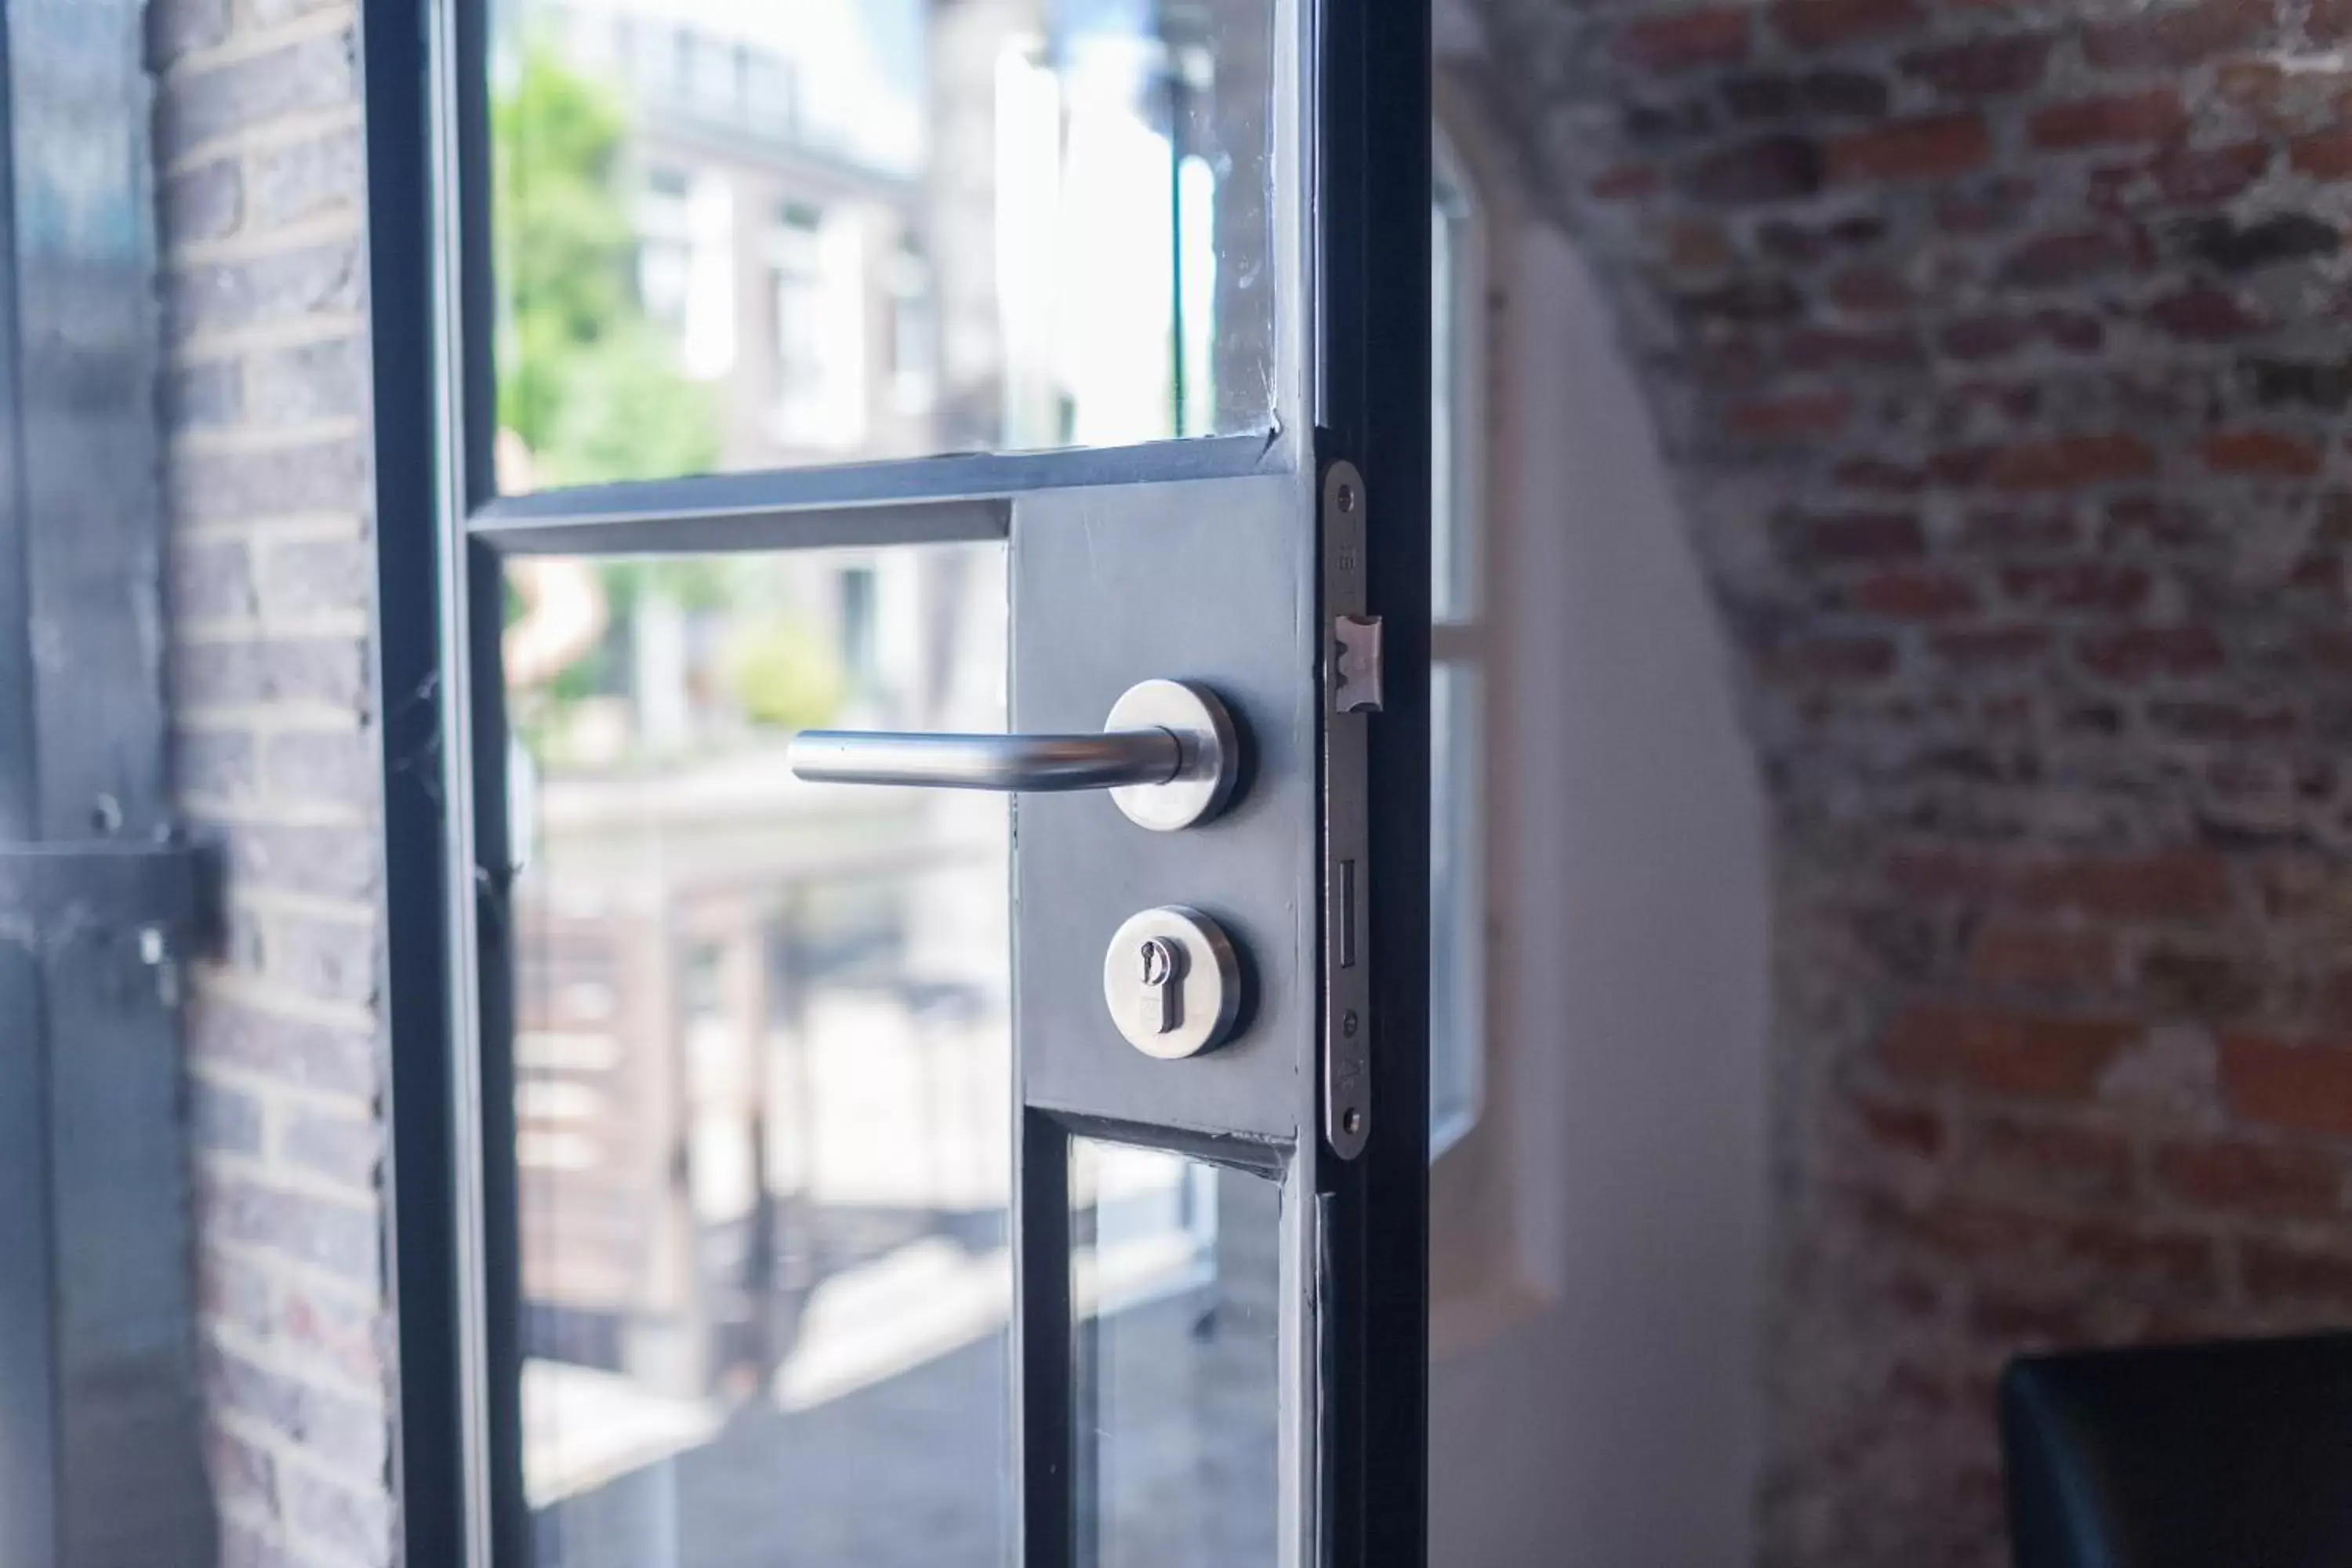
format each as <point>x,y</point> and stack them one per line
<point>1356,665</point>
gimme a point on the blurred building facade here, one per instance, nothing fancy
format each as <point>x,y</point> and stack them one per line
<point>775,173</point>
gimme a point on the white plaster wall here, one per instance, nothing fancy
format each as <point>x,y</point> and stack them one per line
<point>1616,1422</point>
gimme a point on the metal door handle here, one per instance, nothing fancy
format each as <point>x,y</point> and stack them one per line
<point>1035,762</point>
<point>1168,753</point>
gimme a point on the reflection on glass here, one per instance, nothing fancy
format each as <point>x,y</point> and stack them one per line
<point>763,1065</point>
<point>1455,318</point>
<point>1457,1000</point>
<point>757,234</point>
<point>1457,733</point>
<point>1176,1281</point>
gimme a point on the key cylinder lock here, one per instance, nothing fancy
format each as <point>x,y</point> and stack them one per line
<point>1173,980</point>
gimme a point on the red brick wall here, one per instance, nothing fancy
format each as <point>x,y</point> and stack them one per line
<point>2001,351</point>
<point>260,185</point>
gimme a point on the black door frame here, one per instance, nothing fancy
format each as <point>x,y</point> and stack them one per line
<point>100,1457</point>
<point>28,1392</point>
<point>1371,178</point>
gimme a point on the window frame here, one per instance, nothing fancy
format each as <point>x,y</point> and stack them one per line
<point>1491,1267</point>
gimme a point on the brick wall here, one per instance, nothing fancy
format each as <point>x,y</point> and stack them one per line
<point>2001,349</point>
<point>260,176</point>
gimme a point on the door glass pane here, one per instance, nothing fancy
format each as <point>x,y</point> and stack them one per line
<point>1457,312</point>
<point>759,234</point>
<point>1457,949</point>
<point>1176,1285</point>
<point>763,1065</point>
<point>1457,732</point>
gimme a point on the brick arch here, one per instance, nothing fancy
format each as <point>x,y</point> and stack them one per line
<point>2001,354</point>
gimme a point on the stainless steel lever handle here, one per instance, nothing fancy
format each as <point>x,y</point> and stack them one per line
<point>1033,762</point>
<point>1169,754</point>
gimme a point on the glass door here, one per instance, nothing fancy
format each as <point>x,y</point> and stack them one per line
<point>929,800</point>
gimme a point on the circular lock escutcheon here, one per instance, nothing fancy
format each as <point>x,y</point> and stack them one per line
<point>1172,981</point>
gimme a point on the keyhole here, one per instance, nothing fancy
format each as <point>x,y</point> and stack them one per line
<point>1172,983</point>
<point>1163,1001</point>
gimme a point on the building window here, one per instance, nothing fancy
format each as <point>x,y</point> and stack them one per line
<point>824,314</point>
<point>710,77</point>
<point>686,266</point>
<point>914,342</point>
<point>771,95</point>
<point>796,283</point>
<point>860,669</point>
<point>1457,1039</point>
<point>666,250</point>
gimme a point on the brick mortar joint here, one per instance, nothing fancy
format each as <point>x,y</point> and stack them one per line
<point>302,717</point>
<point>286,332</point>
<point>246,244</point>
<point>269,1355</point>
<point>244,41</point>
<point>259,438</point>
<point>266,808</point>
<point>304,526</point>
<point>271,1172</point>
<point>354,627</point>
<point>244,144</point>
<point>244,990</point>
<point>273,1093</point>
<point>263,726</point>
<point>268,1270</point>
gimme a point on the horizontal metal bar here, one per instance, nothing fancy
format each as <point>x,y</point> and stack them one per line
<point>886,495</point>
<point>1037,763</point>
<point>58,891</point>
<point>1259,1155</point>
<point>871,526</point>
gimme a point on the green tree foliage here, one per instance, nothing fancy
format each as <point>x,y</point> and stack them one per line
<point>583,377</point>
<point>782,677</point>
<point>592,389</point>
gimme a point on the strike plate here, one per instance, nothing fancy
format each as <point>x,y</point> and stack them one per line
<point>1351,692</point>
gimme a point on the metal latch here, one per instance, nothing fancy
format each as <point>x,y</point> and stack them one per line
<point>1355,664</point>
<point>166,893</point>
<point>1352,681</point>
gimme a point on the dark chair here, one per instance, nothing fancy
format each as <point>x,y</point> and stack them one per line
<point>2217,1456</point>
